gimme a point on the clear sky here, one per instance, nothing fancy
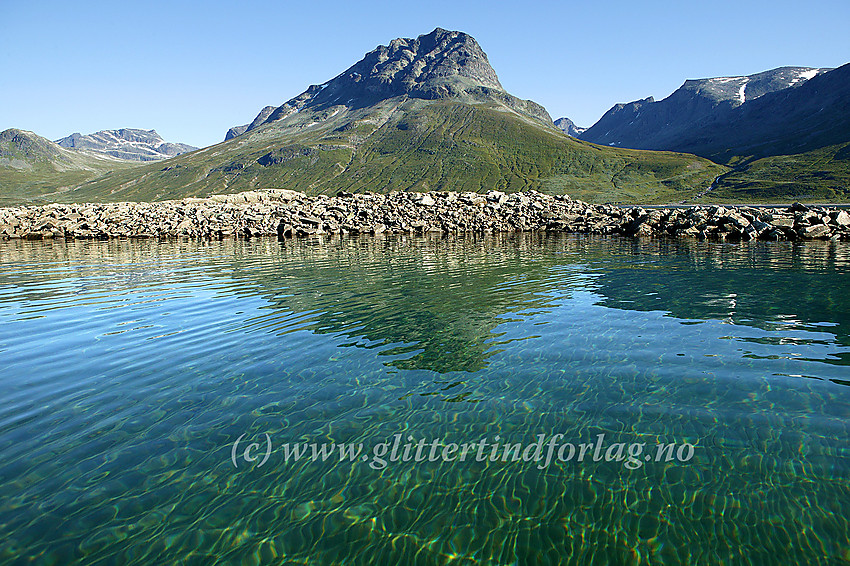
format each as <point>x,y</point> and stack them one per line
<point>191,70</point>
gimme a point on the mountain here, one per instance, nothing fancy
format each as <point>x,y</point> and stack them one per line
<point>239,130</point>
<point>127,143</point>
<point>568,127</point>
<point>439,65</point>
<point>23,150</point>
<point>33,168</point>
<point>792,143</point>
<point>417,114</point>
<point>659,125</point>
<point>785,132</point>
<point>813,115</point>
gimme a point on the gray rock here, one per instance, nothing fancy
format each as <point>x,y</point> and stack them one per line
<point>841,218</point>
<point>426,200</point>
<point>782,222</point>
<point>816,231</point>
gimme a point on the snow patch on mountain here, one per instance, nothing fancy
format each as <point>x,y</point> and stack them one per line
<point>126,144</point>
<point>742,97</point>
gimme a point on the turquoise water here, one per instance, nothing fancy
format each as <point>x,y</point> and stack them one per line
<point>130,369</point>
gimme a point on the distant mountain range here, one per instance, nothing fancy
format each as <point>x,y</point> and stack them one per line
<point>127,143</point>
<point>33,168</point>
<point>430,113</point>
<point>568,127</point>
<point>647,124</point>
<point>786,132</point>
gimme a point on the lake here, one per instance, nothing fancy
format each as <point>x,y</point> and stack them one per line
<point>655,401</point>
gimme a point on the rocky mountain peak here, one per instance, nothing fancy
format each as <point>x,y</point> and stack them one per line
<point>569,127</point>
<point>436,65</point>
<point>440,64</point>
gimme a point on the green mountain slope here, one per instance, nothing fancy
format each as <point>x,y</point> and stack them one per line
<point>34,169</point>
<point>819,175</point>
<point>410,144</point>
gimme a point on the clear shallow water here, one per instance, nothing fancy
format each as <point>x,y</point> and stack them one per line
<point>129,369</point>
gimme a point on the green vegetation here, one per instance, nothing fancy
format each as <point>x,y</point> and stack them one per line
<point>820,175</point>
<point>39,184</point>
<point>35,170</point>
<point>418,145</point>
<point>406,145</point>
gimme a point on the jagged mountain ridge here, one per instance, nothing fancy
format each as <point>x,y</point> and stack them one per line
<point>261,117</point>
<point>659,125</point>
<point>126,143</point>
<point>569,127</point>
<point>438,65</point>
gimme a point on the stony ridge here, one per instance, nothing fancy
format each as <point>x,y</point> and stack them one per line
<point>286,214</point>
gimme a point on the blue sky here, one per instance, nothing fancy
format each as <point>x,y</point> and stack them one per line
<point>191,70</point>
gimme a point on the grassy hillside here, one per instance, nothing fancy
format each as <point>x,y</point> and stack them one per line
<point>821,175</point>
<point>35,170</point>
<point>411,145</point>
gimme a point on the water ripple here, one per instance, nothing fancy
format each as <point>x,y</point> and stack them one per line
<point>130,368</point>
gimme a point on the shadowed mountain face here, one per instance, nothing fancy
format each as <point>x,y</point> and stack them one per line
<point>794,142</point>
<point>786,132</point>
<point>793,120</point>
<point>127,143</point>
<point>665,124</point>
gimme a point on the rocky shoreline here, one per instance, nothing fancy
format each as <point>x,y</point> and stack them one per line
<point>286,214</point>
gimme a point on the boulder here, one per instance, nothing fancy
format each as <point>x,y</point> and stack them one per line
<point>816,231</point>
